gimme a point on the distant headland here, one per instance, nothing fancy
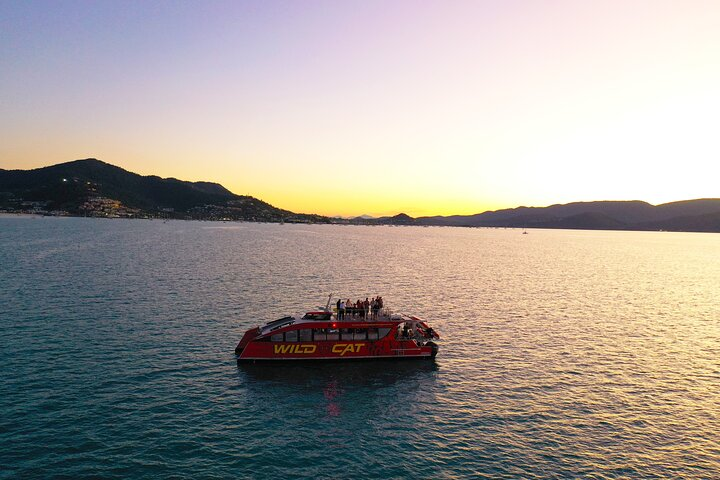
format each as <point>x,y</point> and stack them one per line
<point>94,188</point>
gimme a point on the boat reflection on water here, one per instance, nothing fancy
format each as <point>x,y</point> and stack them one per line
<point>353,374</point>
<point>337,384</point>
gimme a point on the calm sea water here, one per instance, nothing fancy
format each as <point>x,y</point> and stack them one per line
<point>563,353</point>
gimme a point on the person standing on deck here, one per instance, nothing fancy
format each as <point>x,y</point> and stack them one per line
<point>339,315</point>
<point>341,310</point>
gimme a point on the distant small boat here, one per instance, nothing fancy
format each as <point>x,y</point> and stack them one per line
<point>525,232</point>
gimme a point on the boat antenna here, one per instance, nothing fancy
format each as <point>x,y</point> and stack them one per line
<point>327,305</point>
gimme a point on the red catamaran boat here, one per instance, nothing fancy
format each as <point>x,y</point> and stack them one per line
<point>319,335</point>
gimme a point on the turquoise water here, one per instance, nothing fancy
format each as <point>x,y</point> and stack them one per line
<point>563,353</point>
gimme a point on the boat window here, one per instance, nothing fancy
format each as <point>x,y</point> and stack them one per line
<point>320,334</point>
<point>278,323</point>
<point>346,334</point>
<point>291,336</point>
<point>360,334</point>
<point>372,334</point>
<point>333,335</point>
<point>382,332</point>
<point>305,335</point>
<point>278,337</point>
<point>317,316</point>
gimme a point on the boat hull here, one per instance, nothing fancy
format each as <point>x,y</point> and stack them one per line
<point>336,351</point>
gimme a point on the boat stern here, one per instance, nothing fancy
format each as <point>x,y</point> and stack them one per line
<point>249,336</point>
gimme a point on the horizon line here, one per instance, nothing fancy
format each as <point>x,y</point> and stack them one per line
<point>376,215</point>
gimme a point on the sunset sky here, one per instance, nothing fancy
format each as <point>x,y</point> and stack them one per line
<point>373,107</point>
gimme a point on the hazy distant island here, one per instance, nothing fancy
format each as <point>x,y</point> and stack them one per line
<point>94,188</point>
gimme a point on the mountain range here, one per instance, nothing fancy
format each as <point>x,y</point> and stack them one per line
<point>95,188</point>
<point>701,215</point>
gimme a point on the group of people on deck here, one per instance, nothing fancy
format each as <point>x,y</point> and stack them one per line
<point>367,309</point>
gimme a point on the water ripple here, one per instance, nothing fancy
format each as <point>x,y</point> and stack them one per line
<point>564,354</point>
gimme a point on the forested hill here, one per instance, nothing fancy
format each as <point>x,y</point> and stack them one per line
<point>95,188</point>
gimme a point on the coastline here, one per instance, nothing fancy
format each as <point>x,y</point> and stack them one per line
<point>7,215</point>
<point>20,215</point>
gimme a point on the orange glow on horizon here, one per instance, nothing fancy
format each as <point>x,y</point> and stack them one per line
<point>369,108</point>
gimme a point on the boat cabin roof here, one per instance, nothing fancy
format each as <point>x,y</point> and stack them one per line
<point>324,319</point>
